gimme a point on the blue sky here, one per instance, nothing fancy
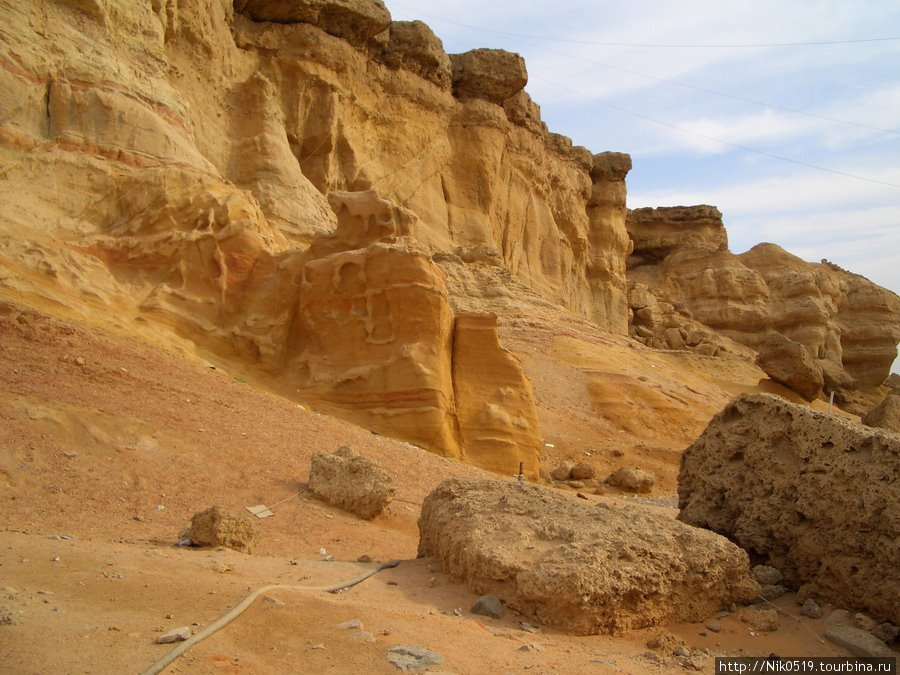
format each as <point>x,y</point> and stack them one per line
<point>649,101</point>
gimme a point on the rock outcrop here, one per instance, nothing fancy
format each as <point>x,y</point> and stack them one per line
<point>886,415</point>
<point>490,74</point>
<point>789,363</point>
<point>582,569</point>
<point>688,291</point>
<point>814,495</point>
<point>349,481</point>
<point>495,410</point>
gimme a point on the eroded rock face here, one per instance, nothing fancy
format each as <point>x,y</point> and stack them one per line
<point>353,20</point>
<point>812,493</point>
<point>349,481</point>
<point>688,291</point>
<point>490,74</point>
<point>495,408</point>
<point>582,569</point>
<point>413,46</point>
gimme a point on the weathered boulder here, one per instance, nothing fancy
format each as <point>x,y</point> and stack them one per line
<point>886,415</point>
<point>349,481</point>
<point>216,527</point>
<point>583,471</point>
<point>789,363</point>
<point>584,569</point>
<point>353,20</point>
<point>490,74</point>
<point>859,642</point>
<point>413,46</point>
<point>814,494</point>
<point>630,478</point>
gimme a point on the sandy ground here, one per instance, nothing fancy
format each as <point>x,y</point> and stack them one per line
<point>108,445</point>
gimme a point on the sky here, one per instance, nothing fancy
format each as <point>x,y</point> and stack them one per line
<point>797,144</point>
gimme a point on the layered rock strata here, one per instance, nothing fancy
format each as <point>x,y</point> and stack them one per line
<point>770,475</point>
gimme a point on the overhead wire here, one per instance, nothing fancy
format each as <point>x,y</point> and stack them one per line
<point>707,137</point>
<point>691,132</point>
<point>660,45</point>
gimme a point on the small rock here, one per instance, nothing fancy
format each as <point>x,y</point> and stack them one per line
<point>864,622</point>
<point>457,611</point>
<point>364,558</point>
<point>581,495</point>
<point>771,591</point>
<point>811,609</point>
<point>433,582</point>
<point>79,361</point>
<point>6,617</point>
<point>563,471</point>
<point>762,620</point>
<point>714,627</point>
<point>681,651</point>
<point>577,484</point>
<point>55,558</point>
<point>582,471</point>
<point>70,454</point>
<point>178,635</point>
<point>328,558</point>
<point>170,616</point>
<point>318,646</point>
<point>665,642</point>
<point>524,625</point>
<point>355,624</point>
<point>530,648</point>
<point>489,605</point>
<point>618,453</point>
<point>412,657</point>
<point>838,616</point>
<point>633,479</point>
<point>858,642</point>
<point>766,575</point>
<point>886,632</point>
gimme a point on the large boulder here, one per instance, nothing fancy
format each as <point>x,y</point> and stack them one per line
<point>353,20</point>
<point>349,481</point>
<point>812,494</point>
<point>490,74</point>
<point>584,569</point>
<point>790,364</point>
<point>886,415</point>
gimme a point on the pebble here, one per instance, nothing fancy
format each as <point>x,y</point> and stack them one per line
<point>79,361</point>
<point>365,558</point>
<point>838,616</point>
<point>530,648</point>
<point>177,635</point>
<point>524,625</point>
<point>681,651</point>
<point>714,627</point>
<point>363,636</point>
<point>771,591</point>
<point>318,646</point>
<point>352,624</point>
<point>811,609</point>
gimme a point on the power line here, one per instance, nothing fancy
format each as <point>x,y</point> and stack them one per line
<point>707,137</point>
<point>686,85</point>
<point>661,45</point>
<point>720,93</point>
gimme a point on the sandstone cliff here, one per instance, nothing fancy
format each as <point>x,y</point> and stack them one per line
<point>687,290</point>
<point>175,161</point>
